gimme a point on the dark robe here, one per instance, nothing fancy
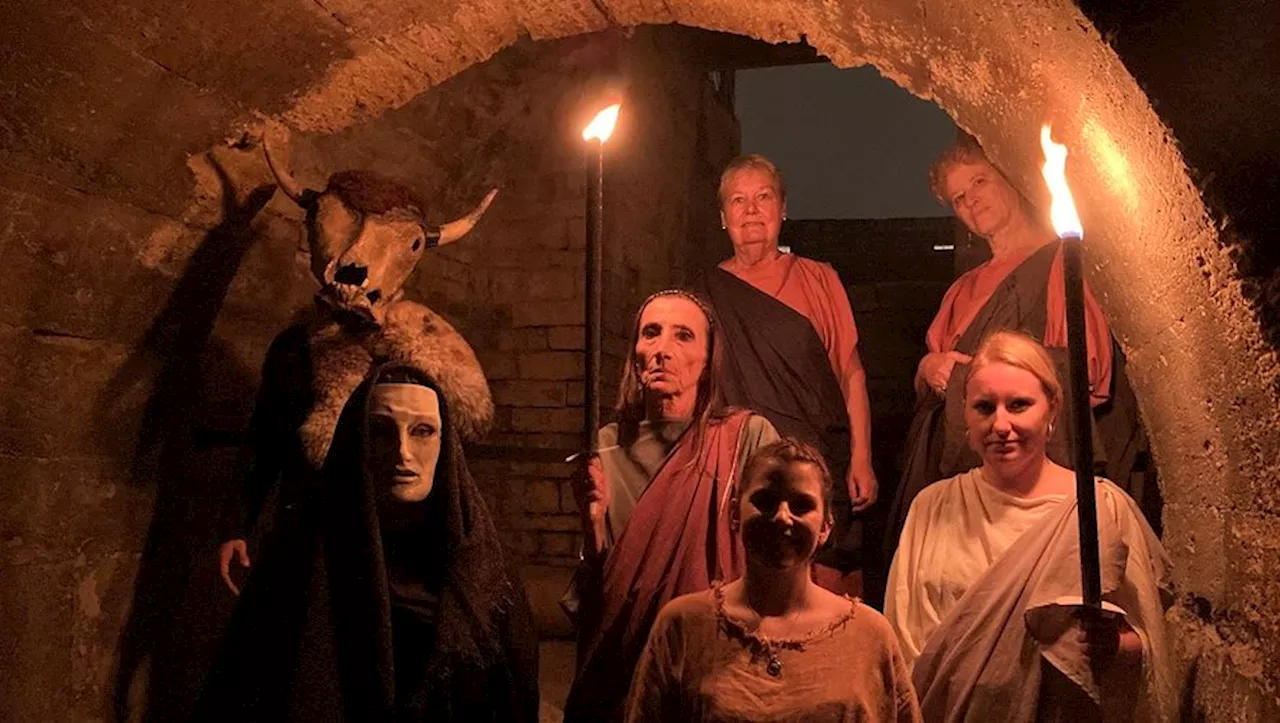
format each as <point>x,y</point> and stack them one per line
<point>678,540</point>
<point>776,365</point>
<point>937,446</point>
<point>341,621</point>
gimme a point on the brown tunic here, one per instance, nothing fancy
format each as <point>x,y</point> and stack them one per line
<point>700,665</point>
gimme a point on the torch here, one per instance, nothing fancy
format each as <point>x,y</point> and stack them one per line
<point>595,135</point>
<point>1071,232</point>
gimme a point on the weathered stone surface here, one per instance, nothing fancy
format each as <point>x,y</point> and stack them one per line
<point>105,109</point>
<point>566,337</point>
<point>542,497</point>
<point>550,365</point>
<point>528,393</point>
<point>564,419</point>
<point>545,585</point>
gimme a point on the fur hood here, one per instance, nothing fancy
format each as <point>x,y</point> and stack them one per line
<point>412,335</point>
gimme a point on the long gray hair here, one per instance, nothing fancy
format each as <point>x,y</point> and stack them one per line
<point>709,403</point>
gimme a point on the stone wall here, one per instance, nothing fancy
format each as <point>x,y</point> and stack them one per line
<point>132,339</point>
<point>116,257</point>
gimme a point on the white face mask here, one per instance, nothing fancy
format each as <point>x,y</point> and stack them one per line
<point>404,440</point>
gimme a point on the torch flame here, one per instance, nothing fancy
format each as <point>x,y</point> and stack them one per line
<point>601,126</point>
<point>1063,210</point>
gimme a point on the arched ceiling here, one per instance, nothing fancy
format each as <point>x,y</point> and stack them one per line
<point>1206,380</point>
<point>114,98</point>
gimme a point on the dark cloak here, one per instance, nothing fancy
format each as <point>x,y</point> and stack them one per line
<point>341,622</point>
<point>776,365</point>
<point>937,447</point>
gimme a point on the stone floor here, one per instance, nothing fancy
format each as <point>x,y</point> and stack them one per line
<point>555,673</point>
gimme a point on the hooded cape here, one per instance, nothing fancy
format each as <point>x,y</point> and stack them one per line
<point>342,622</point>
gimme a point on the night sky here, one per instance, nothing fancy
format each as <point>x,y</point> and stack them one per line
<point>850,143</point>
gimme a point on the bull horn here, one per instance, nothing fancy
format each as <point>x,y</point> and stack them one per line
<point>455,230</point>
<point>284,179</point>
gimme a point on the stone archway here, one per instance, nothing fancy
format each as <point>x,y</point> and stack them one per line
<point>114,97</point>
<point>1207,381</point>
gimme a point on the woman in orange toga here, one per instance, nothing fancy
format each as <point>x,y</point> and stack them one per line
<point>791,352</point>
<point>1020,288</point>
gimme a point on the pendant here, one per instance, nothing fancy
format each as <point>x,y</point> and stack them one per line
<point>774,667</point>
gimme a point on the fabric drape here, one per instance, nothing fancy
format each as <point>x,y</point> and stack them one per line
<point>777,365</point>
<point>678,540</point>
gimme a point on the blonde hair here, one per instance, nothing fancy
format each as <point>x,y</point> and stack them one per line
<point>1021,350</point>
<point>753,162</point>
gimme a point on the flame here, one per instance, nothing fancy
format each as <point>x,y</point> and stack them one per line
<point>601,126</point>
<point>1063,210</point>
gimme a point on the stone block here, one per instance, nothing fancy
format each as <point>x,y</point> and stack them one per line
<point>534,285</point>
<point>1194,536</point>
<point>498,365</point>
<point>566,443</point>
<point>544,585</point>
<point>547,313</point>
<point>65,394</point>
<point>567,501</point>
<point>38,597</point>
<point>566,522</point>
<point>50,502</point>
<point>524,339</point>
<point>554,470</point>
<point>526,393</point>
<point>524,543</point>
<point>1252,546</point>
<point>557,544</point>
<point>529,259</point>
<point>57,282</point>
<point>502,419</point>
<point>570,338</point>
<point>537,233</point>
<point>542,497</point>
<point>550,365</point>
<point>565,420</point>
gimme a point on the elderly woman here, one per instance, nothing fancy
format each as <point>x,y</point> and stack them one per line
<point>1020,287</point>
<point>792,347</point>
<point>984,591</point>
<point>774,645</point>
<point>391,598</point>
<point>656,501</point>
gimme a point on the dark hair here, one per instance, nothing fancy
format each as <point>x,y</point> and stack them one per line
<point>370,192</point>
<point>709,403</point>
<point>788,451</point>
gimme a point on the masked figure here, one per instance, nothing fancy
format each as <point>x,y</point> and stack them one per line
<point>365,233</point>
<point>398,603</point>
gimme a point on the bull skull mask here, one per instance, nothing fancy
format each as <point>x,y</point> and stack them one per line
<point>366,233</point>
